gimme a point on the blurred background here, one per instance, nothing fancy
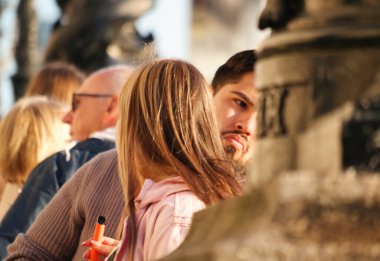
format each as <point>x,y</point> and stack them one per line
<point>94,33</point>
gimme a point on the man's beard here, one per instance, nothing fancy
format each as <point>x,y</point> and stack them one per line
<point>231,150</point>
<point>239,166</point>
<point>237,155</point>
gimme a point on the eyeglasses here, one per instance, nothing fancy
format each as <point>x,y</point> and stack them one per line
<point>74,101</point>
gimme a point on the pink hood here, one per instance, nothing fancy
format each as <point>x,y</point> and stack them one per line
<point>152,192</point>
<point>164,212</point>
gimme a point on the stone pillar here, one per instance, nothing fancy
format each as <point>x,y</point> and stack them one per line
<point>321,55</point>
<point>313,192</point>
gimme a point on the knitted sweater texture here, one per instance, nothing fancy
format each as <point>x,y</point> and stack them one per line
<point>70,217</point>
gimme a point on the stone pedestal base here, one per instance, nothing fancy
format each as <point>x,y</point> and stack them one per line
<point>298,216</point>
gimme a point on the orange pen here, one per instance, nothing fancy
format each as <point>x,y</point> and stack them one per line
<point>98,236</point>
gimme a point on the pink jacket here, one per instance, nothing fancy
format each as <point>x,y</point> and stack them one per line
<point>164,212</point>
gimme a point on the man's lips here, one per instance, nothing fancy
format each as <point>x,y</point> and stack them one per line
<point>236,141</point>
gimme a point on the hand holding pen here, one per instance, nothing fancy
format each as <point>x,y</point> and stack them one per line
<point>100,246</point>
<point>104,248</point>
<point>98,237</point>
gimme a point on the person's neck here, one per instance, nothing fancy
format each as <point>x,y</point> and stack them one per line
<point>155,172</point>
<point>105,134</point>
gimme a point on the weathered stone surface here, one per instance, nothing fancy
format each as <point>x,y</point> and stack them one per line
<point>301,215</point>
<point>312,64</point>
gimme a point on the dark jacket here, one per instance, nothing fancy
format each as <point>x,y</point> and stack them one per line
<point>43,183</point>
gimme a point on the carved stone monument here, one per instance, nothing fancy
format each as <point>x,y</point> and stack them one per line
<point>93,34</point>
<point>313,191</point>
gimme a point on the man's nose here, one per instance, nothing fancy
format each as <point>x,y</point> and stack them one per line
<point>68,117</point>
<point>247,124</point>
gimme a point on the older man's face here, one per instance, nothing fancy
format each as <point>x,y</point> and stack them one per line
<point>89,107</point>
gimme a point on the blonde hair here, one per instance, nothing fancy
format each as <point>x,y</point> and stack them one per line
<point>28,134</point>
<point>167,120</point>
<point>57,81</point>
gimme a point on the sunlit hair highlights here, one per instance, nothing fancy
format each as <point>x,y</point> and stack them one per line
<point>29,132</point>
<point>167,120</point>
<point>56,80</point>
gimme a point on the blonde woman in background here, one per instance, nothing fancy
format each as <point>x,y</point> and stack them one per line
<point>31,131</point>
<point>58,81</point>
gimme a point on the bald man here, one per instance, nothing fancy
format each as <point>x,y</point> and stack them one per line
<point>92,119</point>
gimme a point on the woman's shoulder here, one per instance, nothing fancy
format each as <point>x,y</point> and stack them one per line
<point>182,205</point>
<point>171,198</point>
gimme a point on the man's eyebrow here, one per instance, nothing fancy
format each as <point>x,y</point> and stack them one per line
<point>244,97</point>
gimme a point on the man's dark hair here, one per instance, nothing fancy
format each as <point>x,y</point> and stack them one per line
<point>235,67</point>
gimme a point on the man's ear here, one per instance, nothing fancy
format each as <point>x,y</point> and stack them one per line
<point>112,111</point>
<point>113,104</point>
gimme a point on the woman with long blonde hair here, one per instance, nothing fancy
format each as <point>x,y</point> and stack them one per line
<point>29,132</point>
<point>171,158</point>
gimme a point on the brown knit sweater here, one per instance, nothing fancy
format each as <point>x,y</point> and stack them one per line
<point>70,217</point>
